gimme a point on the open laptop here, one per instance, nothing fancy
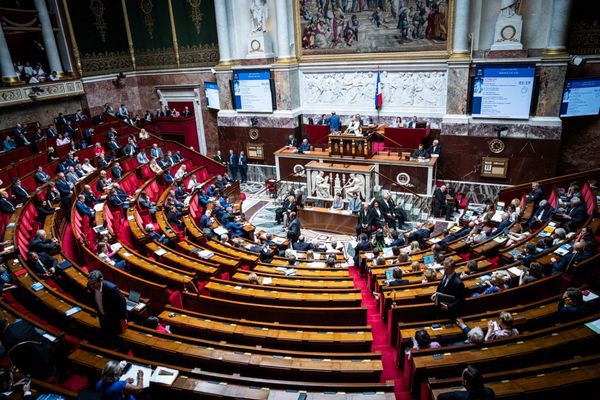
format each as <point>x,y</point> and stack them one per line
<point>133,300</point>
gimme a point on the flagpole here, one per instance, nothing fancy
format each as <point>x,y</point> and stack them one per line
<point>378,108</point>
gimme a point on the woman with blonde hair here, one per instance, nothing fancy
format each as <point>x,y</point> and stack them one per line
<point>414,247</point>
<point>112,388</point>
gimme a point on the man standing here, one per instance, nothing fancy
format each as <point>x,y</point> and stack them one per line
<point>110,306</point>
<point>451,292</point>
<point>243,167</point>
<point>219,157</point>
<point>335,124</point>
<point>233,164</point>
<point>293,231</point>
<point>435,149</point>
<point>388,206</point>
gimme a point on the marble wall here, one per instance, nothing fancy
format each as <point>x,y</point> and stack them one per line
<point>44,112</point>
<point>458,81</point>
<point>550,89</point>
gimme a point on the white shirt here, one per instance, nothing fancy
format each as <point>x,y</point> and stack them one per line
<point>179,174</point>
<point>98,297</point>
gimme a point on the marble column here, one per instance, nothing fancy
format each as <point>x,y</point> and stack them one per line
<point>49,39</point>
<point>6,64</point>
<point>460,34</point>
<point>557,37</point>
<point>222,32</point>
<point>283,39</point>
<point>291,27</point>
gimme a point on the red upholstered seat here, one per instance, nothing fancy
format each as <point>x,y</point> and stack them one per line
<point>175,299</point>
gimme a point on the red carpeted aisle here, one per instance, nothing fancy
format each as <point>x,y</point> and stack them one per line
<point>380,339</point>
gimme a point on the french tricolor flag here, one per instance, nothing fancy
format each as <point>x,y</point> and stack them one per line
<point>378,92</point>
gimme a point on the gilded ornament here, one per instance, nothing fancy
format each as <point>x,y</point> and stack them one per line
<point>196,14</point>
<point>146,6</point>
<point>97,7</point>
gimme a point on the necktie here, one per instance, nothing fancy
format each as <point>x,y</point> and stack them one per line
<point>41,264</point>
<point>444,281</point>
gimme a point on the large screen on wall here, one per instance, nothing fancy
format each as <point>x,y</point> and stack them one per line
<point>502,91</point>
<point>211,89</point>
<point>581,97</point>
<point>252,90</point>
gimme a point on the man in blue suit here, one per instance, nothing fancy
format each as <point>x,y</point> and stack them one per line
<point>83,209</point>
<point>41,177</point>
<point>233,164</point>
<point>116,171</point>
<point>503,225</point>
<point>335,124</point>
<point>155,151</point>
<point>243,166</point>
<point>21,194</point>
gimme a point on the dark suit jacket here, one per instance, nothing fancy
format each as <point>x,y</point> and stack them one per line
<point>293,231</point>
<point>546,214</point>
<point>501,227</point>
<point>364,216</point>
<point>6,206</point>
<point>435,149</point>
<point>243,162</point>
<point>219,159</point>
<point>454,287</point>
<point>113,302</point>
<point>439,196</point>
<point>578,214</point>
<point>42,246</point>
<point>47,260</point>
<point>116,172</point>
<point>63,187</point>
<point>20,193</point>
<point>292,143</point>
<point>535,196</point>
<point>375,218</point>
<point>388,207</point>
<point>37,359</point>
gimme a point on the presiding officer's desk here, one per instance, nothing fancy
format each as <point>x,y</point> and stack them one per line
<point>327,219</point>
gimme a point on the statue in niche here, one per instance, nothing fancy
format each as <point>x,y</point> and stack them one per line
<point>508,8</point>
<point>258,11</point>
<point>355,184</point>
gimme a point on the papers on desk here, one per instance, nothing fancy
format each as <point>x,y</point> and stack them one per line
<point>205,254</point>
<point>515,253</point>
<point>116,246</point>
<point>547,231</point>
<point>286,271</point>
<point>72,311</point>
<point>589,296</point>
<point>500,239</point>
<point>50,337</point>
<point>160,252</point>
<point>515,271</point>
<point>316,264</point>
<point>130,218</point>
<point>594,325</point>
<point>37,286</point>
<point>278,240</point>
<point>219,230</point>
<point>387,252</point>
<point>100,230</point>
<point>369,255</point>
<point>435,240</point>
<point>164,375</point>
<point>267,281</point>
<point>99,207</point>
<point>564,249</point>
<point>133,371</point>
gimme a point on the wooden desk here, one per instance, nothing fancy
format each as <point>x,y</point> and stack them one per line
<point>324,219</point>
<point>293,282</point>
<point>350,146</point>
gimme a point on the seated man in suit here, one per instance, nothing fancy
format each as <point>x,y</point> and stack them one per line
<point>41,177</point>
<point>116,201</point>
<point>292,141</point>
<point>581,252</point>
<point>43,264</point>
<point>543,213</point>
<point>41,244</point>
<point>152,234</point>
<point>90,199</point>
<point>19,192</point>
<point>83,209</point>
<point>116,171</point>
<point>435,148</point>
<point>503,225</point>
<point>205,220</point>
<point>293,230</point>
<point>420,153</point>
<point>302,245</point>
<point>450,285</point>
<point>576,214</point>
<point>35,355</point>
<point>572,306</point>
<point>6,206</point>
<point>146,204</point>
<point>304,146</point>
<point>536,195</point>
<point>419,234</point>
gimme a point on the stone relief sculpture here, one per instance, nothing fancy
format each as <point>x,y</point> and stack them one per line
<point>355,184</point>
<point>402,89</point>
<point>259,12</point>
<point>321,185</point>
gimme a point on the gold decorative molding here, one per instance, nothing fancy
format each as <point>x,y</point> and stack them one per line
<point>460,56</point>
<point>146,7</point>
<point>53,90</point>
<point>106,62</point>
<point>155,58</point>
<point>97,8</point>
<point>196,14</point>
<point>555,53</point>
<point>73,41</point>
<point>128,31</point>
<point>199,55</point>
<point>287,60</point>
<point>173,31</point>
<point>12,81</point>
